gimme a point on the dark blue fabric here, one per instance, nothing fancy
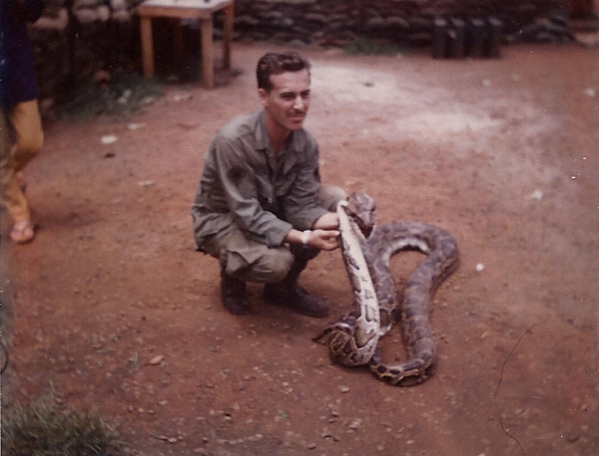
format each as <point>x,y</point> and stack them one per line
<point>17,67</point>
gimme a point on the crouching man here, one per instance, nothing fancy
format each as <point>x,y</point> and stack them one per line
<point>260,208</point>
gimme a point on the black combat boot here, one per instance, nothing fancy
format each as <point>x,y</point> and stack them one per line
<point>233,295</point>
<point>288,293</point>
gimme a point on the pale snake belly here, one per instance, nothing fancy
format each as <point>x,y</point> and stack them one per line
<point>367,250</point>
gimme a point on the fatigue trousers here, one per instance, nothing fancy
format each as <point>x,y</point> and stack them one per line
<point>23,122</point>
<point>252,261</point>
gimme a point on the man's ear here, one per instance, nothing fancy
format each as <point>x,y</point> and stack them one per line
<point>263,95</point>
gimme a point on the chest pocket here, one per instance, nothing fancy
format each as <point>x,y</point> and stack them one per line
<point>286,180</point>
<point>265,191</point>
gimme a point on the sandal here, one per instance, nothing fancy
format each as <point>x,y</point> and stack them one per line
<point>22,232</point>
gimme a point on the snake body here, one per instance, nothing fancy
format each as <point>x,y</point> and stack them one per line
<point>367,250</point>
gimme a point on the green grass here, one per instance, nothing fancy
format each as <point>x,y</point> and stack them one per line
<point>368,46</point>
<point>45,429</point>
<point>122,95</point>
<point>380,46</point>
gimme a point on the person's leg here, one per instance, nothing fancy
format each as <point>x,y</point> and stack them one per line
<point>244,260</point>
<point>12,197</point>
<point>287,292</point>
<point>27,127</point>
<point>329,195</point>
<point>29,136</point>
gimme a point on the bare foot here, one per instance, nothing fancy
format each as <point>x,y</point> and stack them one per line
<point>22,232</point>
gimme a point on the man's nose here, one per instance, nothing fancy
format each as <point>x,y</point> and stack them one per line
<point>300,103</point>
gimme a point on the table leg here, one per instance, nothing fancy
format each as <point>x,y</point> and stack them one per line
<point>207,53</point>
<point>178,44</point>
<point>147,49</point>
<point>227,36</point>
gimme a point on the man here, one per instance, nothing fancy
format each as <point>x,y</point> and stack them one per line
<point>260,208</point>
<point>18,97</point>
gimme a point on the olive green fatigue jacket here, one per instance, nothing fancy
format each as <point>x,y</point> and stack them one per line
<point>243,184</point>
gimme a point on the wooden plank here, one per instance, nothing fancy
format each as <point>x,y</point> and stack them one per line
<point>180,9</point>
<point>178,42</point>
<point>160,11</point>
<point>147,50</point>
<point>207,53</point>
<point>227,36</point>
<point>207,6</point>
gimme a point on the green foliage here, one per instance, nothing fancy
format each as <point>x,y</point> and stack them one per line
<point>368,46</point>
<point>45,429</point>
<point>122,94</point>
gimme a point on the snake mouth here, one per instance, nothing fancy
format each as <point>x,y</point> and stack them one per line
<point>364,218</point>
<point>365,228</point>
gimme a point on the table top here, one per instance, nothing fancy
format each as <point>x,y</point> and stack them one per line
<point>203,5</point>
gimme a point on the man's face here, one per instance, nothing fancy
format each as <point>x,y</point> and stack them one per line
<point>286,105</point>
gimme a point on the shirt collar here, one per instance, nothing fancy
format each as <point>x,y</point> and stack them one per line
<point>260,132</point>
<point>294,143</point>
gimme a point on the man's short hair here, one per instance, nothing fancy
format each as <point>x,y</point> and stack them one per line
<point>275,63</point>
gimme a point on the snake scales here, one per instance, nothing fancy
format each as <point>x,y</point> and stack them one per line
<point>367,250</point>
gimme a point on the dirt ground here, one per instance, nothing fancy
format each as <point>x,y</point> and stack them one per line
<point>113,309</point>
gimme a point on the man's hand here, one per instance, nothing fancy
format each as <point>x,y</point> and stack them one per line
<point>317,239</point>
<point>324,239</point>
<point>328,221</point>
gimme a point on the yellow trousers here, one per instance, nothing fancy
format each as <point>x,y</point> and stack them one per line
<point>24,126</point>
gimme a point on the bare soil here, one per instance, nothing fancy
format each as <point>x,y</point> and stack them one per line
<point>113,309</point>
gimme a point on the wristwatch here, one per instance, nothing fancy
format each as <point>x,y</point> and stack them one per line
<point>305,237</point>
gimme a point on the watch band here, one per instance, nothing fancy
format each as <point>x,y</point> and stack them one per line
<point>305,237</point>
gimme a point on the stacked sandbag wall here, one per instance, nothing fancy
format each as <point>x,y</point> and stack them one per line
<point>77,38</point>
<point>335,22</point>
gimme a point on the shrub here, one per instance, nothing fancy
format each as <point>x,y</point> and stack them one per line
<point>45,429</point>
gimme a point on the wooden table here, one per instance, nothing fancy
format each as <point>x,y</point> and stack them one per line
<point>180,9</point>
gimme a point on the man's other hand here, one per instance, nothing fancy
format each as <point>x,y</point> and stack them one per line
<point>324,239</point>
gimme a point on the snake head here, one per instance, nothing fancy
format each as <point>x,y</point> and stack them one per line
<point>362,208</point>
<point>339,339</point>
<point>343,346</point>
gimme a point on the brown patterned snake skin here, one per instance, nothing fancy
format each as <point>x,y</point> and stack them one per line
<point>367,250</point>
